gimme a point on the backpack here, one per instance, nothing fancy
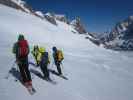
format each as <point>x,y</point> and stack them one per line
<point>41,49</point>
<point>60,56</point>
<point>23,49</point>
<point>45,58</point>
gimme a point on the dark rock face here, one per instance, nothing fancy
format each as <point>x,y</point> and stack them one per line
<point>78,26</point>
<point>62,18</point>
<point>50,17</point>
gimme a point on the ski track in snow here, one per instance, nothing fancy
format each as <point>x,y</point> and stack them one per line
<point>94,73</point>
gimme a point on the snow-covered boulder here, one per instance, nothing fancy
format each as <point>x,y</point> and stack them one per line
<point>39,14</point>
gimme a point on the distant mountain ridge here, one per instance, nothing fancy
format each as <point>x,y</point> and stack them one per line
<point>121,36</point>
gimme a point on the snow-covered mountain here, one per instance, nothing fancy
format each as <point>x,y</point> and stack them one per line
<point>51,17</point>
<point>121,36</point>
<point>23,6</point>
<point>93,73</point>
<point>17,4</point>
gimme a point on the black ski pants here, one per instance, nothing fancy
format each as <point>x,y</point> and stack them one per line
<point>57,63</point>
<point>24,70</point>
<point>44,69</point>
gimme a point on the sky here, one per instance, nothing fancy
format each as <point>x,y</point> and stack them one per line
<point>96,15</point>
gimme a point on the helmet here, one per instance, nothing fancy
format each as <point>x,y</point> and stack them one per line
<point>20,37</point>
<point>35,46</point>
<point>54,49</point>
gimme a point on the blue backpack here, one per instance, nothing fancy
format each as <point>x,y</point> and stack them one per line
<point>45,58</point>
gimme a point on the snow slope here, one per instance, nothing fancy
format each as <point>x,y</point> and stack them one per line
<point>94,73</point>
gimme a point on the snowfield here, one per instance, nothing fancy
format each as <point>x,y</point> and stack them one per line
<point>93,73</point>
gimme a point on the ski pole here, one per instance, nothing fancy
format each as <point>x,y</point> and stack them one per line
<point>10,69</point>
<point>52,64</point>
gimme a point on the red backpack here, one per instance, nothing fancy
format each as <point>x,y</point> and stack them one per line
<point>23,48</point>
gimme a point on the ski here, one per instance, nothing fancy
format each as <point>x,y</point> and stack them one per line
<point>64,77</point>
<point>42,77</point>
<point>49,80</point>
<point>57,74</point>
<point>30,88</point>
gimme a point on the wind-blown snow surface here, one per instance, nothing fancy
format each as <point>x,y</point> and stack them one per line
<point>94,73</point>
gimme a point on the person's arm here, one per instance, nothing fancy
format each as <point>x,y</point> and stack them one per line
<point>14,49</point>
<point>56,56</point>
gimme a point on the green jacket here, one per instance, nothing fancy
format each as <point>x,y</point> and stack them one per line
<point>15,48</point>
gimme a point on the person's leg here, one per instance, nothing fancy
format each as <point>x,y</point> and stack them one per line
<point>43,69</point>
<point>22,72</point>
<point>38,64</point>
<point>27,72</point>
<point>47,72</point>
<point>59,68</point>
<point>28,81</point>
